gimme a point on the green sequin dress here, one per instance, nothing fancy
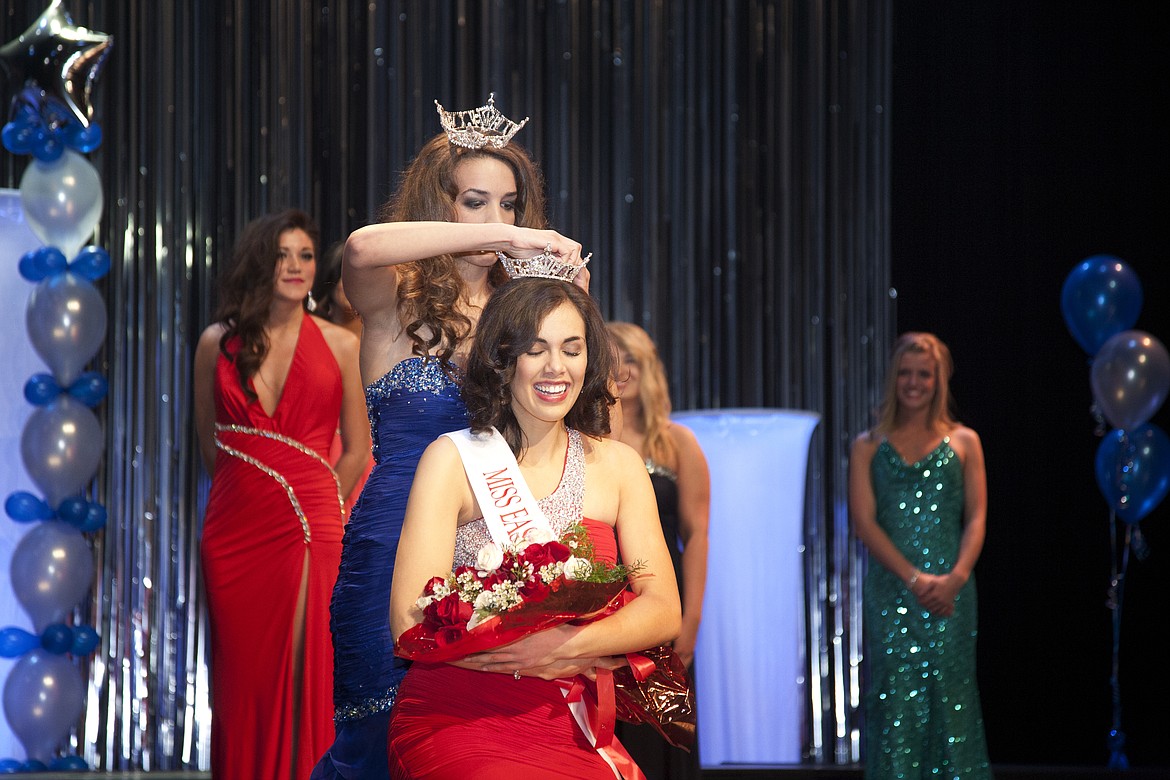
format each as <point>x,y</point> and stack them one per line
<point>922,715</point>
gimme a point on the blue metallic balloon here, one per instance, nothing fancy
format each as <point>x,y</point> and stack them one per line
<point>57,638</point>
<point>92,262</point>
<point>85,640</point>
<point>1133,470</point>
<point>36,264</point>
<point>15,642</point>
<point>41,389</point>
<point>1101,297</point>
<point>95,518</point>
<point>90,388</point>
<point>24,507</point>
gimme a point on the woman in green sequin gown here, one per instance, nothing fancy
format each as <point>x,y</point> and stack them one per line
<point>918,501</point>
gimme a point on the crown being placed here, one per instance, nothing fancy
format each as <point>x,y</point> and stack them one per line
<point>478,127</point>
<point>546,265</point>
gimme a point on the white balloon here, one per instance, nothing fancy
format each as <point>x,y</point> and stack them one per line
<point>62,201</point>
<point>43,698</point>
<point>61,446</point>
<point>66,321</point>
<point>51,569</point>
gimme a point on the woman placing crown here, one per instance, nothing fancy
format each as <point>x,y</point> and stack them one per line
<point>538,402</point>
<point>419,280</point>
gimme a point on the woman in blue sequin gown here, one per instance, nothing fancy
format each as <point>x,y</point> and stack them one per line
<point>918,501</point>
<point>419,280</point>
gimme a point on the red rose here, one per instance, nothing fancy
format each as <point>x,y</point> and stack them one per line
<point>434,582</point>
<point>448,612</point>
<point>534,590</point>
<point>546,554</point>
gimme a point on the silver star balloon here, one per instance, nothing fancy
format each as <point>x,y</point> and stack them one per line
<point>59,58</point>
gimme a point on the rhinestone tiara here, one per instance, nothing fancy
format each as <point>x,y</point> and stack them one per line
<point>478,127</point>
<point>546,265</point>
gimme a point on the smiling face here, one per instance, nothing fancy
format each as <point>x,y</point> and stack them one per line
<point>916,381</point>
<point>485,192</point>
<point>296,267</point>
<point>548,377</point>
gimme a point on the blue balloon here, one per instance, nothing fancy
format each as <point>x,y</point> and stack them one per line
<point>83,139</point>
<point>42,262</point>
<point>73,510</point>
<point>95,518</point>
<point>41,389</point>
<point>15,642</point>
<point>85,640</point>
<point>18,137</point>
<point>69,764</point>
<point>89,388</point>
<point>92,262</point>
<point>24,507</point>
<point>1133,470</point>
<point>57,638</point>
<point>34,765</point>
<point>1101,297</point>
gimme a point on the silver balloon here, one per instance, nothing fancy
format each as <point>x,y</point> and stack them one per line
<point>43,698</point>
<point>1130,378</point>
<point>61,446</point>
<point>66,321</point>
<point>51,569</point>
<point>62,201</point>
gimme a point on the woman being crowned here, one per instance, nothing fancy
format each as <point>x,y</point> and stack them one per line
<point>538,403</point>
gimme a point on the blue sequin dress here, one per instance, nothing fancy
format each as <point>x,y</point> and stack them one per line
<point>409,407</point>
<point>923,718</point>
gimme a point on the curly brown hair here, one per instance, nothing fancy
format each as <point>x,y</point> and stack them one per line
<point>429,291</point>
<point>508,327</point>
<point>246,290</point>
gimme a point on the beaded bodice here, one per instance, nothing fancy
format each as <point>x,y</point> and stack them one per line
<point>562,507</point>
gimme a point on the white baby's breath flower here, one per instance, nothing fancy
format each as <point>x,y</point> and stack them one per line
<point>577,568</point>
<point>489,558</point>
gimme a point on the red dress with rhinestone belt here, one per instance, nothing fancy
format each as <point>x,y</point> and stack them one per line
<point>270,551</point>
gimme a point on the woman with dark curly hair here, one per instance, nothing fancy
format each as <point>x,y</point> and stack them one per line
<point>539,375</point>
<point>419,280</point>
<point>272,386</point>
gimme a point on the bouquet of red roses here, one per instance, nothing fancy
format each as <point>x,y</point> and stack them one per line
<point>511,592</point>
<point>514,591</point>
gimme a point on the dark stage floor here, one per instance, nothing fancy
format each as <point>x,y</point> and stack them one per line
<point>786,772</point>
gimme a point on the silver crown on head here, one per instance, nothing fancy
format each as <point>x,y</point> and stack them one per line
<point>546,265</point>
<point>478,127</point>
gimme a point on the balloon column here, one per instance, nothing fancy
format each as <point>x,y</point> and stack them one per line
<point>52,68</point>
<point>1130,377</point>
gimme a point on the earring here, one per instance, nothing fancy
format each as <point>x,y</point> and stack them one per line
<point>311,304</point>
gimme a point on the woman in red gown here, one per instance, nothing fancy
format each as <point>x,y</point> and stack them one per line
<point>538,373</point>
<point>272,386</point>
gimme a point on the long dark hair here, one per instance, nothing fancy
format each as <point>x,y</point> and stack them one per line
<point>246,290</point>
<point>429,292</point>
<point>508,326</point>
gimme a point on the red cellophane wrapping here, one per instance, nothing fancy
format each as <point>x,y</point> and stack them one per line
<point>663,698</point>
<point>654,689</point>
<point>572,601</point>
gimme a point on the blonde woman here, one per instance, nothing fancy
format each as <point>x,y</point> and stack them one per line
<point>682,487</point>
<point>918,501</point>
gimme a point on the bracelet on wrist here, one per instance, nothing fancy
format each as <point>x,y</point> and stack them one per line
<point>913,579</point>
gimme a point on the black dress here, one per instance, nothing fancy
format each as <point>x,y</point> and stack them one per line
<point>654,756</point>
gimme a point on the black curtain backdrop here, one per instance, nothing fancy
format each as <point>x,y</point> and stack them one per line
<point>1026,137</point>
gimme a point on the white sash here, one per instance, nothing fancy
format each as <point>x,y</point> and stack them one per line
<point>509,509</point>
<point>512,515</point>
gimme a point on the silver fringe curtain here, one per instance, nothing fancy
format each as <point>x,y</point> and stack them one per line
<point>726,163</point>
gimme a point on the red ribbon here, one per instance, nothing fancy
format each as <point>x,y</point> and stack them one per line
<point>598,697</point>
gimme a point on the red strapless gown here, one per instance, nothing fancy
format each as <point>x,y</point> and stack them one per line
<point>274,513</point>
<point>458,724</point>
